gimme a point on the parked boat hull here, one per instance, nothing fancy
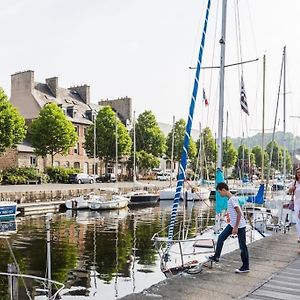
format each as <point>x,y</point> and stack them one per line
<point>8,210</point>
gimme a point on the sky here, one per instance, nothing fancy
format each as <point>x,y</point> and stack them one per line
<point>143,49</point>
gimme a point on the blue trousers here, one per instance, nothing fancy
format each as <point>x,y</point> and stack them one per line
<point>242,243</point>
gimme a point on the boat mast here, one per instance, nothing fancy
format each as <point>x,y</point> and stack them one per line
<point>134,148</point>
<point>172,151</point>
<point>263,122</point>
<point>221,87</point>
<point>284,114</point>
<point>116,170</point>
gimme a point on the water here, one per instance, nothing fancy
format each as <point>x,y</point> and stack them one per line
<point>97,255</point>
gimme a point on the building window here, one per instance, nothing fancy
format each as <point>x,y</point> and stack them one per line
<point>67,164</point>
<point>76,149</point>
<point>77,165</point>
<point>56,163</point>
<point>33,161</point>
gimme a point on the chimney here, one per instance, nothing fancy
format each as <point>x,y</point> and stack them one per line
<point>84,92</point>
<point>22,83</point>
<point>52,84</point>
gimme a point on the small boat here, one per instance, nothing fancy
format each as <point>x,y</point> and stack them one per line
<point>81,202</point>
<point>197,193</point>
<point>116,202</point>
<point>8,209</point>
<point>142,197</point>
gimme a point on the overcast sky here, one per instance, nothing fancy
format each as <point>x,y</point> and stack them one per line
<point>143,49</point>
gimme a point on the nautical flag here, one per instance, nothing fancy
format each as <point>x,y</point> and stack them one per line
<point>204,98</point>
<point>244,104</point>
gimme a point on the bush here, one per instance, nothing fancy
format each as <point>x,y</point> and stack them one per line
<point>60,174</point>
<point>20,175</point>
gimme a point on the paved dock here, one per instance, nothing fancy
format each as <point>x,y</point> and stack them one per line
<point>274,274</point>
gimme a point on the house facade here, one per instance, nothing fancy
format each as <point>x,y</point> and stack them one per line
<point>29,97</point>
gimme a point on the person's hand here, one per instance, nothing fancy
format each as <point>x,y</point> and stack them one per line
<point>235,230</point>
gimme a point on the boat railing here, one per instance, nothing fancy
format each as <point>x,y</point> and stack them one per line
<point>45,281</point>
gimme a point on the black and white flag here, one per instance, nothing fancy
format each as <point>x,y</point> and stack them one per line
<point>244,104</point>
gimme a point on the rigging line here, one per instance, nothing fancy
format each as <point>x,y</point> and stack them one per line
<point>229,65</point>
<point>184,156</point>
<point>213,56</point>
<point>275,121</point>
<point>18,268</point>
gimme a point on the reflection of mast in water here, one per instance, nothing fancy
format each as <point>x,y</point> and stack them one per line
<point>117,261</point>
<point>94,261</point>
<point>134,249</point>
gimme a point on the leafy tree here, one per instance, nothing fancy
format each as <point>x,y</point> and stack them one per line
<point>209,146</point>
<point>106,136</point>
<point>146,161</point>
<point>276,155</point>
<point>229,154</point>
<point>12,124</point>
<point>257,152</point>
<point>149,136</point>
<point>52,133</point>
<point>179,128</point>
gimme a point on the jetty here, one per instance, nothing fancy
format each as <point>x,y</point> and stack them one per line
<point>274,274</point>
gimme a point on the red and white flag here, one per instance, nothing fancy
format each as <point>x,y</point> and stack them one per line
<point>204,98</point>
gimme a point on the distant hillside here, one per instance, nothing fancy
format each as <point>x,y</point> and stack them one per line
<point>292,142</point>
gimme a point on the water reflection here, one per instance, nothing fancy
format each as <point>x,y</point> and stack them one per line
<point>106,254</point>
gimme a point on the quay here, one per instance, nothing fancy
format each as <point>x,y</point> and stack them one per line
<point>274,274</point>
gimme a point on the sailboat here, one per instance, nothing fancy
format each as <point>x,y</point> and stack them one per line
<point>178,251</point>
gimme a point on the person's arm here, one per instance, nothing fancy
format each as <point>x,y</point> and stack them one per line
<point>238,219</point>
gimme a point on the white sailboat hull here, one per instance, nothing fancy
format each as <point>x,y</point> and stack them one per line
<point>169,194</point>
<point>117,202</point>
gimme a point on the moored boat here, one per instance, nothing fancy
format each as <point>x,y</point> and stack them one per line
<point>142,197</point>
<point>8,209</point>
<point>116,202</point>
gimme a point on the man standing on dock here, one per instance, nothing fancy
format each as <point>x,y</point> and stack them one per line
<point>237,226</point>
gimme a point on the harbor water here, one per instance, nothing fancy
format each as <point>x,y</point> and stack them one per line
<point>95,254</point>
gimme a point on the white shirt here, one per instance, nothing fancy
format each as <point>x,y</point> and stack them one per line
<point>296,193</point>
<point>232,203</point>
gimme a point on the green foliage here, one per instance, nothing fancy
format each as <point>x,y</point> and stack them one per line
<point>20,175</point>
<point>146,161</point>
<point>12,124</point>
<point>60,174</point>
<point>106,136</point>
<point>149,136</point>
<point>209,146</point>
<point>52,133</point>
<point>178,142</point>
<point>230,154</point>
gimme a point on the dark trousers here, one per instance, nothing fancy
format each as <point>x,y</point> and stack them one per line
<point>242,243</point>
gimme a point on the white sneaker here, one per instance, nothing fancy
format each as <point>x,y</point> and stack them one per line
<point>241,270</point>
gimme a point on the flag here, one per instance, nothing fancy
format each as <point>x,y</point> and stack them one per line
<point>204,98</point>
<point>244,104</point>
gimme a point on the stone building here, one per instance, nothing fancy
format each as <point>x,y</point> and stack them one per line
<point>29,97</point>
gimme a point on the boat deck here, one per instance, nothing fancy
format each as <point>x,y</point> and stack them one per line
<point>274,261</point>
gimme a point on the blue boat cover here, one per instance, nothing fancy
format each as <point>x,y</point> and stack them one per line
<point>221,202</point>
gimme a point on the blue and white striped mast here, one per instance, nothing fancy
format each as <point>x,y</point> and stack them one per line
<point>184,155</point>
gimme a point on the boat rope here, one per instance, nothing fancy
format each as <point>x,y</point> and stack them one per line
<point>18,268</point>
<point>184,155</point>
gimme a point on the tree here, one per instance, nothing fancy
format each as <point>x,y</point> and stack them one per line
<point>257,152</point>
<point>12,124</point>
<point>209,146</point>
<point>276,155</point>
<point>179,129</point>
<point>149,136</point>
<point>52,133</point>
<point>230,154</point>
<point>146,161</point>
<point>106,137</point>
